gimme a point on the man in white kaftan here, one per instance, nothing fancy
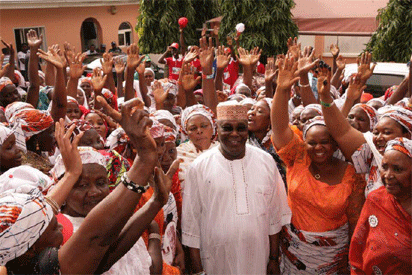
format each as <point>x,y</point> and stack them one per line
<point>233,207</point>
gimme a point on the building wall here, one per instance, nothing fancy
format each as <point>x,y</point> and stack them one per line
<point>64,24</point>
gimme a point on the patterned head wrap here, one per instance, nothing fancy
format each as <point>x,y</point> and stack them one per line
<point>18,177</point>
<point>85,79</point>
<point>164,114</point>
<point>404,103</point>
<point>381,101</point>
<point>317,120</point>
<point>72,100</point>
<point>400,144</point>
<point>6,132</point>
<point>170,87</point>
<point>23,219</point>
<point>31,121</point>
<point>390,91</point>
<point>4,81</point>
<point>116,166</point>
<point>87,155</point>
<point>316,107</point>
<point>157,130</point>
<point>117,140</point>
<point>198,109</point>
<point>81,126</point>
<point>370,112</point>
<point>400,115</point>
<point>170,135</point>
<point>110,98</point>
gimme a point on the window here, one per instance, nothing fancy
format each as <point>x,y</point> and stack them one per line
<point>350,46</point>
<point>125,34</point>
<point>20,35</point>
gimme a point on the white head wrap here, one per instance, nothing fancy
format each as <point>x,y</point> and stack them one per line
<point>85,104</point>
<point>87,154</point>
<point>164,114</point>
<point>23,219</point>
<point>24,175</point>
<point>198,109</point>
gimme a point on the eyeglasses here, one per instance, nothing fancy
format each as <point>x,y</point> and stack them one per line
<point>230,128</point>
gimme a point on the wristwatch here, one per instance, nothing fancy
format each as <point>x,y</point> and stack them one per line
<point>133,186</point>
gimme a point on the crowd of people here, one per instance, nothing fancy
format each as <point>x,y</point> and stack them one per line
<point>226,166</point>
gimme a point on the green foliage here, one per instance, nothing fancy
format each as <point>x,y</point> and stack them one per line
<point>268,23</point>
<point>393,38</point>
<point>157,23</point>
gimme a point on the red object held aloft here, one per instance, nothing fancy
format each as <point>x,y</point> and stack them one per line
<point>183,22</point>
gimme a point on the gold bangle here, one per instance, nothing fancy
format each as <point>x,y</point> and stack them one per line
<point>53,204</point>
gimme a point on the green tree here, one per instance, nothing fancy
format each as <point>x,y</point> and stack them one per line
<point>268,23</point>
<point>392,41</point>
<point>157,25</point>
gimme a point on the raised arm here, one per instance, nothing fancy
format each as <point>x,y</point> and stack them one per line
<point>353,94</point>
<point>188,83</point>
<point>248,60</point>
<point>348,138</point>
<point>222,60</point>
<point>34,43</point>
<point>208,84</point>
<point>400,92</point>
<point>340,64</point>
<point>142,84</point>
<point>182,42</point>
<point>279,115</point>
<point>103,224</point>
<point>133,60</point>
<point>59,105</point>
<point>305,64</point>
<point>139,222</point>
<point>162,59</point>
<point>12,61</point>
<point>98,81</point>
<point>76,69</point>
<point>270,74</point>
<point>107,68</point>
<point>334,50</point>
<point>119,66</point>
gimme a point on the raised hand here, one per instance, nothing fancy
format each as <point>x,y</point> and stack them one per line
<point>355,88</point>
<point>189,81</point>
<point>222,59</point>
<point>305,61</point>
<point>107,63</point>
<point>293,47</point>
<point>279,59</point>
<point>247,58</point>
<point>163,182</point>
<point>33,40</point>
<point>115,115</point>
<point>365,70</point>
<point>136,123</point>
<point>221,96</point>
<point>9,47</point>
<point>61,55</point>
<point>133,58</point>
<point>334,50</point>
<point>51,57</point>
<point>141,68</point>
<point>76,64</point>
<point>119,65</point>
<point>340,62</point>
<point>70,154</point>
<point>69,52</point>
<point>206,54</point>
<point>191,55</point>
<point>159,93</point>
<point>325,74</point>
<point>98,80</point>
<point>286,75</point>
<point>270,70</point>
<point>3,70</point>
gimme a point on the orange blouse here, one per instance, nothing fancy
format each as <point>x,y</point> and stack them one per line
<point>317,206</point>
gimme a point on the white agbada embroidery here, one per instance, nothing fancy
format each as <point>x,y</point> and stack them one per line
<point>231,207</point>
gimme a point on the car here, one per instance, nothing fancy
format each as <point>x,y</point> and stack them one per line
<point>384,76</point>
